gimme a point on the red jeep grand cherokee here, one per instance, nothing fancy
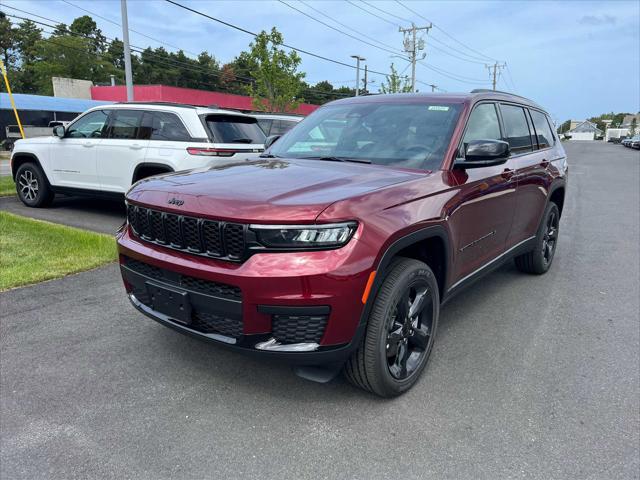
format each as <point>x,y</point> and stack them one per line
<point>337,248</point>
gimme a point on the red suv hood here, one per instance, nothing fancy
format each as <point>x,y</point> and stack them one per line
<point>266,190</point>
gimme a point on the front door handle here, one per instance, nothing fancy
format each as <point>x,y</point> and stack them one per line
<point>136,146</point>
<point>88,144</point>
<point>508,174</point>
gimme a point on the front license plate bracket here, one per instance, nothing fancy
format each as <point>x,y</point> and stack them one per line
<point>171,302</point>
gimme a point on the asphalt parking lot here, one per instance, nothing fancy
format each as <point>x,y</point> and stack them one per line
<point>531,377</point>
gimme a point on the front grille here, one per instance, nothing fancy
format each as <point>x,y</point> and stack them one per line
<point>190,283</point>
<point>298,328</point>
<point>194,235</point>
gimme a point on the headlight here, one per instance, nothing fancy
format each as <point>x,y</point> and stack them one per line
<point>304,236</point>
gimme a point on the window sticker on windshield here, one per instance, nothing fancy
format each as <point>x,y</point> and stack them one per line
<point>439,108</point>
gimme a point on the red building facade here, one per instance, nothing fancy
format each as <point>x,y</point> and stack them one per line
<point>164,93</point>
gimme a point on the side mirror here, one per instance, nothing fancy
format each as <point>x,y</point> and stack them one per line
<point>483,153</point>
<point>58,131</point>
<point>271,139</point>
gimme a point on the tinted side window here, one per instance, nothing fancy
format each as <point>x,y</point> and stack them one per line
<point>483,124</point>
<point>516,128</point>
<point>234,129</point>
<point>265,125</point>
<point>543,131</point>
<point>124,124</point>
<point>89,126</point>
<point>163,126</point>
<point>280,127</point>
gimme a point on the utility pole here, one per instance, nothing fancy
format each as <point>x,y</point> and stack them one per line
<point>433,87</point>
<point>412,46</point>
<point>496,67</point>
<point>366,90</point>
<point>358,60</point>
<point>127,51</point>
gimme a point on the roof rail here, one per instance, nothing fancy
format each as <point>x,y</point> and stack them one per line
<point>488,90</point>
<point>170,104</point>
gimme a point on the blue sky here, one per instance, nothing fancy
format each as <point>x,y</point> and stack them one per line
<point>577,59</point>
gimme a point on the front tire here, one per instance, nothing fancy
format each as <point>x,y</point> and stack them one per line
<point>538,260</point>
<point>32,186</point>
<point>400,332</point>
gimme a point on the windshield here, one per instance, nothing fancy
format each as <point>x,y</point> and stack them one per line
<point>234,129</point>
<point>414,135</point>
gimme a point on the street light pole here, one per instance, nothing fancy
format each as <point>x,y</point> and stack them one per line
<point>127,51</point>
<point>358,60</point>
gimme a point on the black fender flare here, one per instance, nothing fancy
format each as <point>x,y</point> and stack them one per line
<point>160,166</point>
<point>391,251</point>
<point>15,164</point>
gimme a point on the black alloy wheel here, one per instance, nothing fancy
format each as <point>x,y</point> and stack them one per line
<point>538,260</point>
<point>400,331</point>
<point>409,335</point>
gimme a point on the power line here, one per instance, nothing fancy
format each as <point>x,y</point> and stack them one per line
<point>347,26</point>
<point>513,84</point>
<point>249,32</point>
<point>131,29</point>
<point>384,11</point>
<point>453,76</point>
<point>164,61</point>
<point>371,13</point>
<point>337,29</point>
<point>444,32</point>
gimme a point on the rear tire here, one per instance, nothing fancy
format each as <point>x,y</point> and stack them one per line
<point>538,260</point>
<point>32,186</point>
<point>400,332</point>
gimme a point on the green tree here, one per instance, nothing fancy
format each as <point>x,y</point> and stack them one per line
<point>8,42</point>
<point>66,56</point>
<point>86,27</point>
<point>564,127</point>
<point>278,83</point>
<point>396,83</point>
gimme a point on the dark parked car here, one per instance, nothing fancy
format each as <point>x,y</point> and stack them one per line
<point>337,250</point>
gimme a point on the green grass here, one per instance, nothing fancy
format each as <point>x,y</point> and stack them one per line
<point>33,251</point>
<point>7,187</point>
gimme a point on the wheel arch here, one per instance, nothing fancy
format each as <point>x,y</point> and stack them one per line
<point>430,245</point>
<point>20,158</point>
<point>557,195</point>
<point>139,171</point>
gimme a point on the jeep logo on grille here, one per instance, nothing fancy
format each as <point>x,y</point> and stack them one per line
<point>175,201</point>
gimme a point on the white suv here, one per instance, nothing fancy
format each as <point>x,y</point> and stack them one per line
<point>108,148</point>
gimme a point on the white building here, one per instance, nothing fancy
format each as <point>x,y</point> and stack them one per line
<point>584,131</point>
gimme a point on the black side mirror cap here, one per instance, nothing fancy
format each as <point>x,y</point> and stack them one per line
<point>484,153</point>
<point>58,131</point>
<point>271,139</point>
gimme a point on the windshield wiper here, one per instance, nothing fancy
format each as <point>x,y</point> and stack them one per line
<point>340,159</point>
<point>241,140</point>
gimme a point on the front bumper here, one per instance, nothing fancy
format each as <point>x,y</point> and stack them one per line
<point>303,307</point>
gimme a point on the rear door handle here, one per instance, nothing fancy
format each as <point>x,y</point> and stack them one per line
<point>136,146</point>
<point>508,174</point>
<point>88,144</point>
